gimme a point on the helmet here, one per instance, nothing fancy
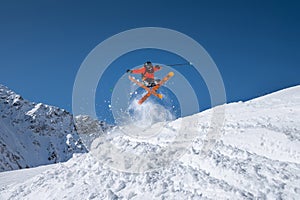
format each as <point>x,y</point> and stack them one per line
<point>148,64</point>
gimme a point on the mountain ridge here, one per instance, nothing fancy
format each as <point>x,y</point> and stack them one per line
<point>33,134</point>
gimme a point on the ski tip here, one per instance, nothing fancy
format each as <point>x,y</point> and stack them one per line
<point>140,102</point>
<point>160,96</point>
<point>171,73</point>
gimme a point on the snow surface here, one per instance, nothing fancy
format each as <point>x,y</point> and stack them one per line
<point>34,134</point>
<point>254,156</point>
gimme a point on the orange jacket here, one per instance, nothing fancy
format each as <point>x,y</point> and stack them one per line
<point>145,74</point>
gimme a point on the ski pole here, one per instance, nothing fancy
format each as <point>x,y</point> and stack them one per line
<point>180,64</point>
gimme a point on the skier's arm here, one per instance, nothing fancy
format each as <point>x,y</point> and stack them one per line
<point>157,68</point>
<point>138,71</point>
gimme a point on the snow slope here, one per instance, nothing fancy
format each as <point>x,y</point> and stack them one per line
<point>34,134</point>
<point>255,155</point>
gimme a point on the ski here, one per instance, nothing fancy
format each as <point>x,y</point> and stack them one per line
<point>164,80</point>
<point>149,90</point>
<point>153,89</point>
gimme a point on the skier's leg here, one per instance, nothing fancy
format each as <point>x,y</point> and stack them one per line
<point>146,83</point>
<point>149,82</point>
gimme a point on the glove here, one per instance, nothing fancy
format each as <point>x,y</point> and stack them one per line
<point>157,66</point>
<point>128,71</point>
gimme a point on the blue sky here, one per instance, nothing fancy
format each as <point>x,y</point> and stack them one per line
<point>255,44</point>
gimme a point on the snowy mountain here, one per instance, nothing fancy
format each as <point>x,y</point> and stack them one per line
<point>89,128</point>
<point>34,134</point>
<point>254,155</point>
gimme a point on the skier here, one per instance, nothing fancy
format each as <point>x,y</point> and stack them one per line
<point>147,72</point>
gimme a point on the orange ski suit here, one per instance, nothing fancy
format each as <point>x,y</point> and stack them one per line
<point>146,74</point>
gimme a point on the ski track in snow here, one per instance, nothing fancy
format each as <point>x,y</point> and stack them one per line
<point>17,176</point>
<point>257,156</point>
